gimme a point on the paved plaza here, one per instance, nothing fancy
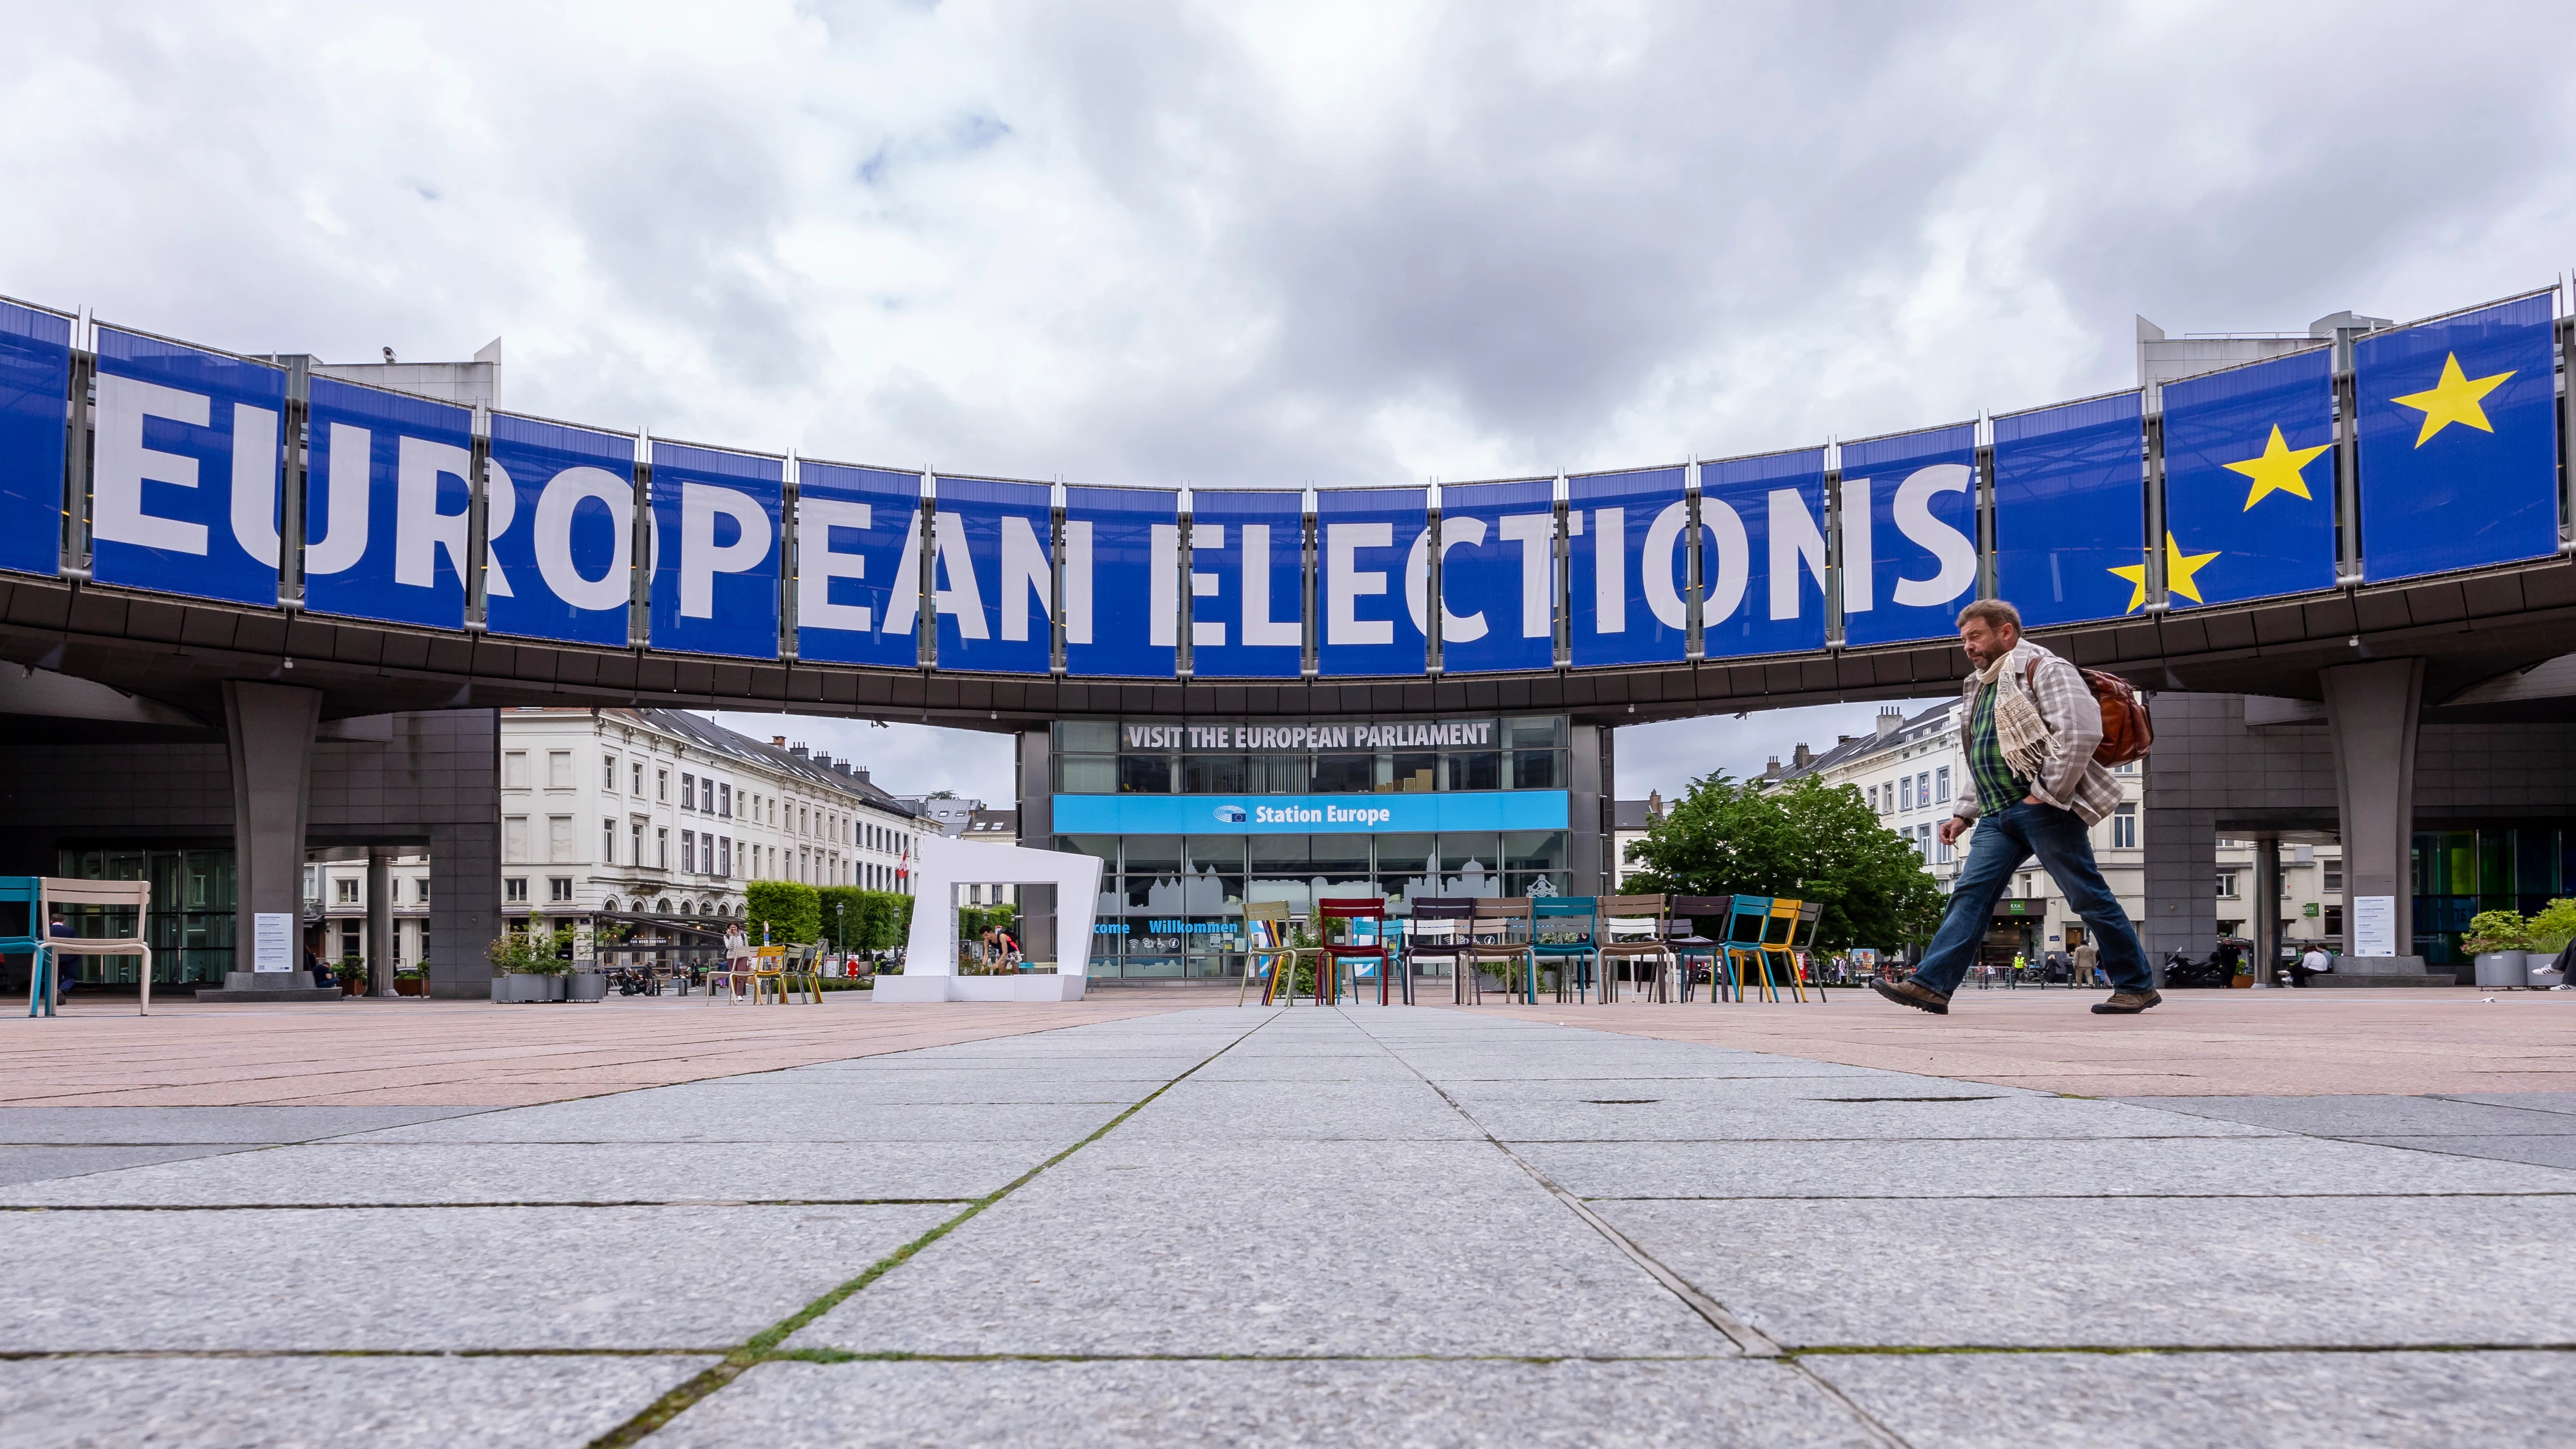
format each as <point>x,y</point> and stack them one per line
<point>1147,1220</point>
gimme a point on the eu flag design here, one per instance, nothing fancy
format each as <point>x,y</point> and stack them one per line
<point>2249,483</point>
<point>2459,464</point>
<point>2070,483</point>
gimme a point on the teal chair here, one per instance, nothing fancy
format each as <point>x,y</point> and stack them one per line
<point>1747,923</point>
<point>1555,935</point>
<point>27,893</point>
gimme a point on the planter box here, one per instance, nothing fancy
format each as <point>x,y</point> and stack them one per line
<point>584,986</point>
<point>513,987</point>
<point>2503,969</point>
<point>411,986</point>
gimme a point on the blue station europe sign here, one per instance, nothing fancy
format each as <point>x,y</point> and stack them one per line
<point>1422,813</point>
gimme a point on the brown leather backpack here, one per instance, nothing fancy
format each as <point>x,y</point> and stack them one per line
<point>2128,731</point>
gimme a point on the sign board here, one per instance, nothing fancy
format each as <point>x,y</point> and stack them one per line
<point>272,941</point>
<point>2374,925</point>
<point>584,944</point>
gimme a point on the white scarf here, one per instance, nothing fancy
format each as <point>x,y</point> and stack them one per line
<point>2019,731</point>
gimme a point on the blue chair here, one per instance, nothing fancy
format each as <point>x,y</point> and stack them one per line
<point>27,892</point>
<point>1553,935</point>
<point>1747,922</point>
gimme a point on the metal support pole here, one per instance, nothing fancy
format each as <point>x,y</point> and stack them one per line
<point>926,624</point>
<point>478,520</point>
<point>77,433</point>
<point>2155,512</point>
<point>2347,446</point>
<point>294,432</point>
<point>1833,559</point>
<point>639,610</point>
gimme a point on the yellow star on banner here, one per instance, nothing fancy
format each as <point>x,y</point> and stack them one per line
<point>2179,568</point>
<point>2277,471</point>
<point>2455,399</point>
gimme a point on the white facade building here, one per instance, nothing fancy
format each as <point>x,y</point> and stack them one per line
<point>335,897</point>
<point>661,812</point>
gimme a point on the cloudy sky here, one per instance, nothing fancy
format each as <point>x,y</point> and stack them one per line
<point>1248,244</point>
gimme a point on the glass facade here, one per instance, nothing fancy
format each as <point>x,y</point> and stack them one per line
<point>2459,873</point>
<point>191,929</point>
<point>1171,901</point>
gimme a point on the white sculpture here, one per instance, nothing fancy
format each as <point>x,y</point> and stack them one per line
<point>930,951</point>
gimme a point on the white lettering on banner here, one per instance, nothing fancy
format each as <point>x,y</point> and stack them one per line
<point>1328,815</point>
<point>1077,582</point>
<point>254,507</point>
<point>1795,538</point>
<point>1665,572</point>
<point>501,509</point>
<point>1454,532</point>
<point>817,565</point>
<point>1610,571</point>
<point>1358,734</point>
<point>1860,587</point>
<point>1345,582</point>
<point>963,598</point>
<point>1163,595</point>
<point>1727,566</point>
<point>1536,534</point>
<point>552,539</point>
<point>701,558</point>
<point>903,601</point>
<point>420,530</point>
<point>1026,573</point>
<point>1949,548</point>
<point>1205,633</point>
<point>1259,629</point>
<point>124,465</point>
<point>340,549</point>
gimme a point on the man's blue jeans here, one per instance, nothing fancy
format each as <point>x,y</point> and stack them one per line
<point>2003,841</point>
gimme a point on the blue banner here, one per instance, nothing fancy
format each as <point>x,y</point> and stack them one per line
<point>1762,554</point>
<point>1909,518</point>
<point>715,551</point>
<point>559,511</point>
<point>2249,484</point>
<point>388,503</point>
<point>184,491</point>
<point>1122,582</point>
<point>858,565</point>
<point>1247,584</point>
<point>1310,814</point>
<point>1630,581</point>
<point>2070,508</point>
<point>1373,552</point>
<point>35,388</point>
<point>1498,576</point>
<point>994,575</point>
<point>2459,448</point>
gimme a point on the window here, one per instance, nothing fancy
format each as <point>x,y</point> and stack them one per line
<point>661,784</point>
<point>2227,885</point>
<point>559,888</point>
<point>688,850</point>
<point>559,846</point>
<point>514,890</point>
<point>420,893</point>
<point>2124,827</point>
<point>514,769</point>
<point>661,847</point>
<point>724,856</point>
<point>1905,793</point>
<point>638,767</point>
<point>1943,847</point>
<point>2334,921</point>
<point>2334,876</point>
<point>608,773</point>
<point>688,791</point>
<point>1941,785</point>
<point>1873,801</point>
<point>346,893</point>
<point>1923,788</point>
<point>635,829</point>
<point>558,769</point>
<point>514,837</point>
<point>724,801</point>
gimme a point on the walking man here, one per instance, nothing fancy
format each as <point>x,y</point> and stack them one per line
<point>2029,730</point>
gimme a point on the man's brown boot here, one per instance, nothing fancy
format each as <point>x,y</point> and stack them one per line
<point>1910,992</point>
<point>2127,1003</point>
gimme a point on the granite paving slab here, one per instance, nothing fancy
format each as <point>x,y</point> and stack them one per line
<point>1115,1405</point>
<point>2528,1101</point>
<point>2259,1167</point>
<point>2359,1116</point>
<point>2188,1272</point>
<point>786,1112</point>
<point>326,1403</point>
<point>100,1126</point>
<point>2547,1150</point>
<point>1970,1114</point>
<point>435,1174</point>
<point>1144,1245</point>
<point>21,1165</point>
<point>2156,1401</point>
<point>435,1279</point>
<point>1315,1108</point>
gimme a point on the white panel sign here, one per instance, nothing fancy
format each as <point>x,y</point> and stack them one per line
<point>2374,925</point>
<point>272,941</point>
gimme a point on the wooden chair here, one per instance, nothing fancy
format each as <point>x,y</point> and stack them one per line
<point>1335,948</point>
<point>1632,914</point>
<point>1553,937</point>
<point>1747,921</point>
<point>1439,931</point>
<point>1500,917</point>
<point>1267,953</point>
<point>128,895</point>
<point>1688,944</point>
<point>1779,944</point>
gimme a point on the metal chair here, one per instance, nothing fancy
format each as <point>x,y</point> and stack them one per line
<point>1634,913</point>
<point>1811,918</point>
<point>28,893</point>
<point>1747,921</point>
<point>1687,944</point>
<point>128,895</point>
<point>1554,917</point>
<point>1779,942</point>
<point>1498,917</point>
<point>1267,952</point>
<point>1438,930</point>
<point>1331,952</point>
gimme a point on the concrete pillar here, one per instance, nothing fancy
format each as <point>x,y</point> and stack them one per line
<point>2371,712</point>
<point>380,922</point>
<point>269,740</point>
<point>1034,773</point>
<point>2267,909</point>
<point>2182,881</point>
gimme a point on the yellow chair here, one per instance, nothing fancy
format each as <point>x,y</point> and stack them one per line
<point>1780,943</point>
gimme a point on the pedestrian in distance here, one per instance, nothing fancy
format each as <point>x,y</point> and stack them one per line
<point>2029,730</point>
<point>2088,963</point>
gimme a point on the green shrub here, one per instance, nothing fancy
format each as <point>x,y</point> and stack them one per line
<point>2554,927</point>
<point>792,911</point>
<point>2498,931</point>
<point>535,951</point>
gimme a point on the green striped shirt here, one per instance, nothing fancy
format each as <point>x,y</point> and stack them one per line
<point>1998,788</point>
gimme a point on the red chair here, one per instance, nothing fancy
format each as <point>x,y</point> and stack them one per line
<point>1332,952</point>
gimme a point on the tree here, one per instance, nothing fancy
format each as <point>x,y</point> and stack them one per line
<point>1808,840</point>
<point>792,911</point>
